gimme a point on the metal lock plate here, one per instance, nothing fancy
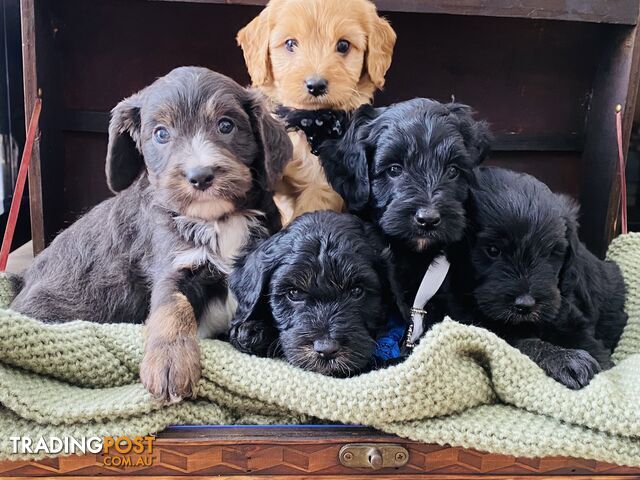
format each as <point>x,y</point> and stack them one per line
<point>373,455</point>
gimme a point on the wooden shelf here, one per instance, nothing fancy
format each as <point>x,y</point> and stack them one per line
<point>624,12</point>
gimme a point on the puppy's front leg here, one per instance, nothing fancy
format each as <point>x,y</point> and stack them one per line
<point>170,367</point>
<point>573,368</point>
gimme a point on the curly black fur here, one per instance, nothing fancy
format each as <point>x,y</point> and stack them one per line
<point>317,293</point>
<point>523,273</point>
<point>407,168</point>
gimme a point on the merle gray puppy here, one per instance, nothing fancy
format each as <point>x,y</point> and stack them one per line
<point>407,168</point>
<point>318,293</point>
<point>193,159</point>
<point>522,272</point>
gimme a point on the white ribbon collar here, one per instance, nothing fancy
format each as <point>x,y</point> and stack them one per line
<point>431,283</point>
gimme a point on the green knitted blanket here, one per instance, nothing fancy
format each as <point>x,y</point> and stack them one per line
<point>461,386</point>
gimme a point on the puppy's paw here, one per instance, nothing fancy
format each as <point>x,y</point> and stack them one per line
<point>254,337</point>
<point>572,368</point>
<point>170,370</point>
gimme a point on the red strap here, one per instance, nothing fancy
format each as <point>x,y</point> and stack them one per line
<point>20,183</point>
<point>622,167</point>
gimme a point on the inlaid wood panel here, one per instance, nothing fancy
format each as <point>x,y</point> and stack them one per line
<point>305,452</point>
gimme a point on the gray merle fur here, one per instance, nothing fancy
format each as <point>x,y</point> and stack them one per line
<point>192,159</point>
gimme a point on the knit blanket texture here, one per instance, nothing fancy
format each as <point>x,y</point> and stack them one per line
<point>461,386</point>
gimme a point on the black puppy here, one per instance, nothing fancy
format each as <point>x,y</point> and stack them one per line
<point>317,293</point>
<point>407,168</point>
<point>523,273</point>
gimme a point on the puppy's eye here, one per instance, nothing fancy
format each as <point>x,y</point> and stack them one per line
<point>291,44</point>
<point>343,46</point>
<point>294,294</point>
<point>161,135</point>
<point>356,292</point>
<point>453,172</point>
<point>225,126</point>
<point>394,170</point>
<point>493,251</point>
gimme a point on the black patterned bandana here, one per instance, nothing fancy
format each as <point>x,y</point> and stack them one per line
<point>317,125</point>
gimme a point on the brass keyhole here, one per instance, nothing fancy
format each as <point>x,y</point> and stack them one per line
<point>375,458</point>
<point>373,455</point>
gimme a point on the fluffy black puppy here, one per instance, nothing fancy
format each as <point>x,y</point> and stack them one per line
<point>317,293</point>
<point>523,273</point>
<point>407,169</point>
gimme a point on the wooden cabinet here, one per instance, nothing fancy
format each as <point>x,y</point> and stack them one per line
<point>547,74</point>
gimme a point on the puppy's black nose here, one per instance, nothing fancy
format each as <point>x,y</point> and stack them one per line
<point>326,348</point>
<point>201,177</point>
<point>316,86</point>
<point>427,217</point>
<point>524,303</point>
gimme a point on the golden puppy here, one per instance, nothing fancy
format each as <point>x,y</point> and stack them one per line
<point>315,54</point>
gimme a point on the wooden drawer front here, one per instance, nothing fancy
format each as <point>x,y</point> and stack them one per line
<point>248,452</point>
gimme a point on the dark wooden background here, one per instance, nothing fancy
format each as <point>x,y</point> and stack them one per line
<point>548,87</point>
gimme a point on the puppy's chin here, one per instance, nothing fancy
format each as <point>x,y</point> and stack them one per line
<point>513,317</point>
<point>346,98</point>
<point>345,364</point>
<point>493,309</point>
<point>421,243</point>
<point>208,205</point>
<point>211,204</point>
<point>496,294</point>
<point>209,210</point>
<point>397,222</point>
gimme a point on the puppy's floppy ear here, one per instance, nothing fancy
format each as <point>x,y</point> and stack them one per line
<point>277,149</point>
<point>252,328</point>
<point>345,161</point>
<point>124,160</point>
<point>570,280</point>
<point>254,41</point>
<point>576,280</point>
<point>381,39</point>
<point>477,134</point>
